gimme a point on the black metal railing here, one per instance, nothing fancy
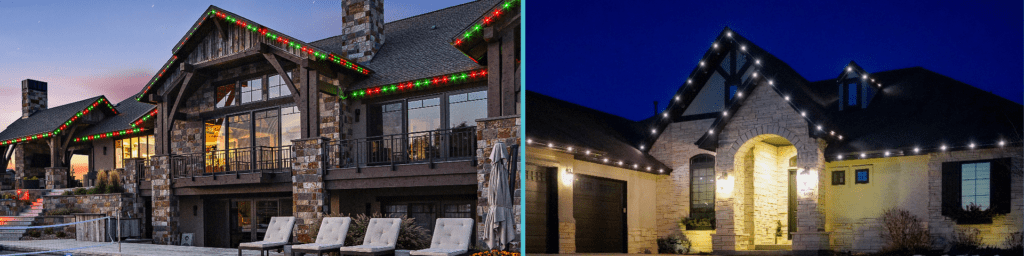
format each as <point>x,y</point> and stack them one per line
<point>233,161</point>
<point>142,169</point>
<point>418,147</point>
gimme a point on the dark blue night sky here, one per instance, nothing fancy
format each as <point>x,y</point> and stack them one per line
<point>620,56</point>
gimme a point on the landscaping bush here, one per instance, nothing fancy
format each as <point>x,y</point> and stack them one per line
<point>903,232</point>
<point>101,183</point>
<point>33,233</point>
<point>81,191</point>
<point>114,184</point>
<point>48,231</point>
<point>966,239</point>
<point>410,236</point>
<point>61,234</point>
<point>1014,241</point>
<point>698,223</point>
<point>670,245</point>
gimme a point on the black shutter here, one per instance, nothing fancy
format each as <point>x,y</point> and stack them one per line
<point>950,188</point>
<point>1000,194</point>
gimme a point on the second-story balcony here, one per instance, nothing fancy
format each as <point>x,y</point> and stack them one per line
<point>232,166</point>
<point>429,147</point>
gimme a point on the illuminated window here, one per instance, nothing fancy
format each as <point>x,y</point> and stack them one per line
<point>134,147</point>
<point>975,181</point>
<point>862,176</point>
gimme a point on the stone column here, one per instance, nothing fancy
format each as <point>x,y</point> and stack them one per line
<point>307,185</point>
<point>56,177</point>
<point>490,131</point>
<point>165,203</point>
<point>811,238</point>
<point>130,175</point>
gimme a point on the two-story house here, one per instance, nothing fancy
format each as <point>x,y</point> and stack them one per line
<point>244,122</point>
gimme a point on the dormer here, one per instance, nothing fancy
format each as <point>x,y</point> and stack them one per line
<point>854,88</point>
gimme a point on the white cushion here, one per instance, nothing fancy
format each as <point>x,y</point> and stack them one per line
<point>333,230</point>
<point>452,233</point>
<point>382,232</point>
<point>317,246</point>
<point>437,252</point>
<point>366,248</point>
<point>260,245</point>
<point>279,230</point>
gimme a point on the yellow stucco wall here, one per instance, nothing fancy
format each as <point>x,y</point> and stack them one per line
<point>641,192</point>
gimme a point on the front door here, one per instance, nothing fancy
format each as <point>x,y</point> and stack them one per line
<point>792,203</point>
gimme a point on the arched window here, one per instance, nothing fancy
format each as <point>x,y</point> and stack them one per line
<point>702,186</point>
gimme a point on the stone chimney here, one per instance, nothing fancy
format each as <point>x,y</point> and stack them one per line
<point>363,34</point>
<point>33,97</point>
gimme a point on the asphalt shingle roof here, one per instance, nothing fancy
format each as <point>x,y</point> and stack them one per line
<point>418,46</point>
<point>128,109</point>
<point>46,120</point>
<point>561,122</point>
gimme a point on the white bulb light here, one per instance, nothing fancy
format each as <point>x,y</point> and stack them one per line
<point>819,127</point>
<point>840,157</point>
<point>588,152</point>
<point>715,45</point>
<point>725,113</point>
<point>943,147</point>
<point>729,34</point>
<point>702,63</point>
<point>770,82</point>
<point>661,170</point>
<point>803,113</point>
<point>864,77</point>
<point>664,114</point>
<point>757,61</point>
<point>635,166</point>
<point>786,98</point>
<point>689,81</point>
<point>677,97</point>
<point>755,74</point>
<point>606,160</point>
<point>848,69</point>
<point>569,149</point>
<point>833,133</point>
<point>917,150</point>
<point>739,94</point>
<point>862,155</point>
<point>711,131</point>
<point>641,147</point>
<point>653,131</point>
<point>551,145</point>
<point>1001,143</point>
<point>620,163</point>
<point>886,153</point>
<point>972,145</point>
<point>743,48</point>
<point>528,141</point>
<point>840,137</point>
<point>648,168</point>
<point>872,80</point>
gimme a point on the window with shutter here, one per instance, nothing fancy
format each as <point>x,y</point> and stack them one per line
<point>984,184</point>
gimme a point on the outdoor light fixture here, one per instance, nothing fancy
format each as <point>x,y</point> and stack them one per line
<point>702,63</point>
<point>725,185</point>
<point>862,155</point>
<point>715,45</point>
<point>743,48</point>
<point>567,177</point>
<point>819,127</point>
<point>807,180</point>
<point>641,147</point>
<point>712,131</point>
<point>739,94</point>
<point>840,157</point>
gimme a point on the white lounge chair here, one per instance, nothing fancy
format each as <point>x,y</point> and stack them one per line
<point>331,236</point>
<point>380,239</point>
<point>451,237</point>
<point>278,233</point>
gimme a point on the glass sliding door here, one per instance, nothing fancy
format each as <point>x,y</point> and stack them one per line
<point>424,117</point>
<point>290,126</point>
<point>463,111</point>
<point>268,139</point>
<point>215,145</point>
<point>239,154</point>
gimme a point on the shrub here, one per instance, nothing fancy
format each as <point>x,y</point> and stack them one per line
<point>114,184</point>
<point>48,231</point>
<point>410,236</point>
<point>1014,241</point>
<point>32,178</point>
<point>33,233</point>
<point>973,214</point>
<point>68,192</point>
<point>63,211</point>
<point>61,234</point>
<point>903,232</point>
<point>670,245</point>
<point>698,223</point>
<point>101,183</point>
<point>81,191</point>
<point>966,239</point>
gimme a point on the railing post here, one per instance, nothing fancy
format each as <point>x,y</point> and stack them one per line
<point>430,138</point>
<point>472,145</point>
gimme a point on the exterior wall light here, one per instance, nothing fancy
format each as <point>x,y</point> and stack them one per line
<point>725,184</point>
<point>568,177</point>
<point>808,180</point>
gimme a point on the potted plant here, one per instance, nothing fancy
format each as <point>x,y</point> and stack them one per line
<point>973,214</point>
<point>30,183</point>
<point>697,223</point>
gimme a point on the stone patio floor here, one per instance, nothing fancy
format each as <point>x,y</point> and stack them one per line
<point>126,248</point>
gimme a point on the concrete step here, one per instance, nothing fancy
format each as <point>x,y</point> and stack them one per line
<point>15,223</point>
<point>28,215</point>
<point>10,237</point>
<point>37,207</point>
<point>33,211</point>
<point>12,231</point>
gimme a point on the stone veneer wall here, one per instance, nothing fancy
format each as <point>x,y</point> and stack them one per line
<point>165,203</point>
<point>56,178</point>
<point>765,112</point>
<point>99,203</point>
<point>566,237</point>
<point>307,186</point>
<point>490,131</point>
<point>363,28</point>
<point>12,207</point>
<point>642,240</point>
<point>675,148</point>
<point>700,240</point>
<point>1002,225</point>
<point>22,168</point>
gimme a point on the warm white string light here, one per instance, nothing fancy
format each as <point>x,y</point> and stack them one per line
<point>598,158</point>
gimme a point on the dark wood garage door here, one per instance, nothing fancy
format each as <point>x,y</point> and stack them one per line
<point>541,210</point>
<point>599,210</point>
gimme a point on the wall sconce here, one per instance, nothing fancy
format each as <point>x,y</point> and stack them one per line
<point>808,179</point>
<point>567,177</point>
<point>725,184</point>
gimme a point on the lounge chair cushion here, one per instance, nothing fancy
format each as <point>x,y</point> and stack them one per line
<point>438,252</point>
<point>366,248</point>
<point>260,245</point>
<point>279,230</point>
<point>333,230</point>
<point>317,246</point>
<point>452,233</point>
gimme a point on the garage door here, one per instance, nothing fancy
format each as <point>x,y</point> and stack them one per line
<point>541,217</point>
<point>599,210</point>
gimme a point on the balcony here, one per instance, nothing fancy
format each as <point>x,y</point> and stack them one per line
<point>232,166</point>
<point>430,147</point>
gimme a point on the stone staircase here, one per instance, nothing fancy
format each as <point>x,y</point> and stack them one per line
<point>24,219</point>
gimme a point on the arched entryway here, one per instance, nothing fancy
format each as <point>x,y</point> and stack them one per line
<point>765,189</point>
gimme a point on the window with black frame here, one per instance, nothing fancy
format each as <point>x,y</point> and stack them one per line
<point>418,129</point>
<point>254,140</point>
<point>702,186</point>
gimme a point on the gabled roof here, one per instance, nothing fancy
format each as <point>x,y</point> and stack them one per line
<point>769,70</point>
<point>130,110</point>
<point>52,121</point>
<point>923,109</point>
<point>418,47</point>
<point>566,124</point>
<point>205,24</point>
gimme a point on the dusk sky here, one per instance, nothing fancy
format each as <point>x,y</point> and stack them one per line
<point>88,48</point>
<point>620,57</point>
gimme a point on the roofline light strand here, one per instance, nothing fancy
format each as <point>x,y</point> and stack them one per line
<point>100,102</point>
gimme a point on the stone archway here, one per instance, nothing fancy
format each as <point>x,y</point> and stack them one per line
<point>754,171</point>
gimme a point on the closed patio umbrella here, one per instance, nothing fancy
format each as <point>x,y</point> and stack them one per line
<point>499,222</point>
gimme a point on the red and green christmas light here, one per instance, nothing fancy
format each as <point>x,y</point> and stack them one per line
<point>474,31</point>
<point>418,84</point>
<point>64,126</point>
<point>144,118</point>
<point>111,134</point>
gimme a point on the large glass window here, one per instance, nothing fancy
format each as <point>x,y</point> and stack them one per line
<point>267,128</point>
<point>226,95</point>
<point>391,118</point>
<point>975,180</point>
<point>424,115</point>
<point>277,87</point>
<point>465,108</point>
<point>252,91</point>
<point>290,125</point>
<point>134,147</point>
<point>702,186</point>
